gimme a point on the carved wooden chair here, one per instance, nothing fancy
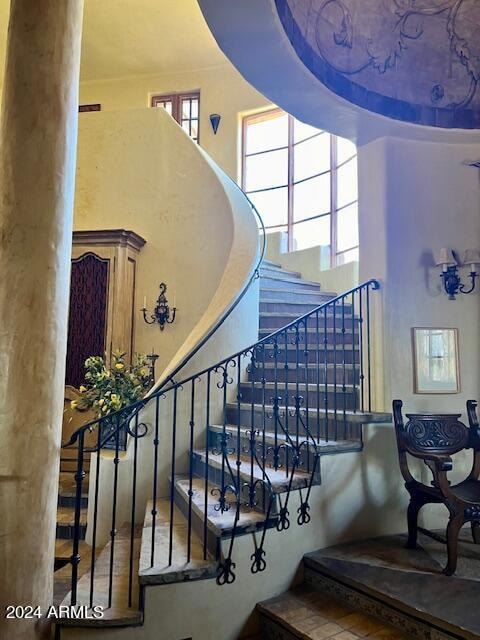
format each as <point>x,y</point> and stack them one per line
<point>434,439</point>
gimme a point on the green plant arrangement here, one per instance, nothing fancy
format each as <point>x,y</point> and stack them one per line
<point>108,389</point>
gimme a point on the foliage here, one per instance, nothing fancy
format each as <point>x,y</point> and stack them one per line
<point>109,389</point>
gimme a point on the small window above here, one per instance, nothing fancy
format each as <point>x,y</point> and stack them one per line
<point>184,107</point>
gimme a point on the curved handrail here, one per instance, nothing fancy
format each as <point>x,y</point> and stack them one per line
<point>373,283</point>
<point>160,389</point>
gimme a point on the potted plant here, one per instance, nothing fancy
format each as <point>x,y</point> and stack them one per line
<point>107,389</point>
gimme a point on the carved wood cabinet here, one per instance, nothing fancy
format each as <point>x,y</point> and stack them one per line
<point>102,297</point>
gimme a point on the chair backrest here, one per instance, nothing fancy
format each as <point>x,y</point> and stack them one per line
<point>425,434</point>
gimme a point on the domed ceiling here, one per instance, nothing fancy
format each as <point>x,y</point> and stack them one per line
<point>412,60</point>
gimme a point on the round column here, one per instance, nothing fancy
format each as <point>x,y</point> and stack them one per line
<point>38,139</point>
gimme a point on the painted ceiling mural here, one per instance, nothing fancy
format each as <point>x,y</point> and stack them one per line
<point>413,60</point>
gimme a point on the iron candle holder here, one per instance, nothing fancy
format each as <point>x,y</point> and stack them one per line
<point>162,314</point>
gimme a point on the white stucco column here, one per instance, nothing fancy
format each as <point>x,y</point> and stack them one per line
<point>38,139</point>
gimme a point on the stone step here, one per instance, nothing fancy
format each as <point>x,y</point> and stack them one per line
<point>294,295</point>
<point>283,282</point>
<point>119,614</point>
<point>312,372</point>
<point>298,309</point>
<point>305,614</point>
<point>67,490</point>
<point>323,447</point>
<point>330,353</point>
<point>278,479</point>
<point>314,337</point>
<point>314,395</point>
<point>339,422</point>
<point>274,320</point>
<point>66,523</point>
<point>161,571</point>
<point>267,270</point>
<point>270,265</point>
<point>206,515</point>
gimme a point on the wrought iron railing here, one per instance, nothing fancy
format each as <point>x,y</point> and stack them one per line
<point>233,440</point>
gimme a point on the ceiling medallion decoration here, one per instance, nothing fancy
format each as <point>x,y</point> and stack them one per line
<point>413,60</point>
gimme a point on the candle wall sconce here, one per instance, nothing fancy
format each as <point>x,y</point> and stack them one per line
<point>162,314</point>
<point>452,282</point>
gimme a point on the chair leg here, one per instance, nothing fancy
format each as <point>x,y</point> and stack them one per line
<point>476,532</point>
<point>412,520</point>
<point>453,529</point>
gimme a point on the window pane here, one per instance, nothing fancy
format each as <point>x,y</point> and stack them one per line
<point>302,131</point>
<point>194,129</point>
<point>186,109</point>
<point>272,206</point>
<point>311,198</point>
<point>167,105</point>
<point>194,103</point>
<point>312,233</point>
<point>271,133</point>
<point>345,150</point>
<point>347,228</point>
<point>186,126</point>
<point>347,190</point>
<point>348,256</point>
<point>312,157</point>
<point>267,170</point>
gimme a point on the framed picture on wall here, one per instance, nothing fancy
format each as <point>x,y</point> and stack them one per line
<point>435,360</point>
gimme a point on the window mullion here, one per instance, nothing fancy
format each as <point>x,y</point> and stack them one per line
<point>291,162</point>
<point>333,201</point>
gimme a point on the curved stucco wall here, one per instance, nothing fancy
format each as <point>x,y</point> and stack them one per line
<point>138,170</point>
<point>252,36</point>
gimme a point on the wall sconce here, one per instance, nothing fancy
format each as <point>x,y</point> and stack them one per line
<point>452,282</point>
<point>215,121</point>
<point>162,312</point>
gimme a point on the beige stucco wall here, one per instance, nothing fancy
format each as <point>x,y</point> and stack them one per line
<point>222,90</point>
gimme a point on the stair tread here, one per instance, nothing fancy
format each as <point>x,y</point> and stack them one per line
<point>284,276</point>
<point>67,485</point>
<point>179,571</point>
<point>302,386</point>
<point>266,270</point>
<point>305,292</point>
<point>309,615</point>
<point>66,516</point>
<point>360,417</point>
<point>326,446</point>
<point>220,523</point>
<point>278,478</point>
<point>119,614</point>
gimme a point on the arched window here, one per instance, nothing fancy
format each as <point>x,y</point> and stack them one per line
<point>303,181</point>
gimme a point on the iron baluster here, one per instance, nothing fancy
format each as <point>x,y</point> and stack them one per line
<point>207,451</point>
<point>307,391</point>
<point>156,442</point>
<point>95,515</point>
<point>253,364</point>
<point>264,419</point>
<point>238,461</point>
<point>344,371</point>
<point>276,401</point>
<point>172,473</point>
<point>317,362</point>
<point>75,559</point>
<point>190,472</point>
<point>297,386</point>
<point>134,500</point>
<point>325,369</point>
<point>287,413</point>
<point>361,354</point>
<point>354,353</point>
<point>335,399</point>
<point>369,363</point>
<point>304,508</point>
<point>113,531</point>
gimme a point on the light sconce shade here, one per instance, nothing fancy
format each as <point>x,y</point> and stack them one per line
<point>445,258</point>
<point>215,121</point>
<point>472,257</point>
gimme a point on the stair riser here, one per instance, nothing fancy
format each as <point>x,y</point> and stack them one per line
<point>316,398</point>
<point>315,374</point>
<point>268,272</point>
<point>271,630</point>
<point>287,284</point>
<point>66,532</point>
<point>332,356</point>
<point>341,431</point>
<point>273,323</point>
<point>294,296</point>
<point>215,477</point>
<point>69,501</point>
<point>298,309</point>
<point>313,338</point>
<point>285,454</point>
<point>213,547</point>
<point>70,466</point>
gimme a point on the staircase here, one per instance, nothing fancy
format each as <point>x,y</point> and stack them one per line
<point>272,412</point>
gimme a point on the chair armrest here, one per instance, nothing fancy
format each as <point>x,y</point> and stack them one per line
<point>439,462</point>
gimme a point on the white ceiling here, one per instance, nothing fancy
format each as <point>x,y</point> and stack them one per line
<point>132,37</point>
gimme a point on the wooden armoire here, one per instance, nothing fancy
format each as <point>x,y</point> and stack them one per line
<point>102,297</point>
